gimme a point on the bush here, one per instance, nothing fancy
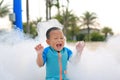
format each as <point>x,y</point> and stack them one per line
<point>80,37</point>
<point>95,36</point>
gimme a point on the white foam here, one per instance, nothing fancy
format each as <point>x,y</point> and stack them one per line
<point>18,59</point>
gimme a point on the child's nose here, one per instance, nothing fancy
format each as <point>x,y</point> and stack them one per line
<point>59,39</point>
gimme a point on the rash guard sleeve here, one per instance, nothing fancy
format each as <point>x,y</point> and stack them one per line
<point>69,52</point>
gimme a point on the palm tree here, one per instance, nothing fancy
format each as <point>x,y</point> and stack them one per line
<point>58,6</point>
<point>49,8</point>
<point>88,19</point>
<point>27,16</point>
<point>106,31</point>
<point>69,21</point>
<point>4,10</point>
<point>49,5</point>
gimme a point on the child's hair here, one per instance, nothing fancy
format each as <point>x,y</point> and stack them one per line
<point>49,30</point>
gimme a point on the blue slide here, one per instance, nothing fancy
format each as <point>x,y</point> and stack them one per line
<point>17,9</point>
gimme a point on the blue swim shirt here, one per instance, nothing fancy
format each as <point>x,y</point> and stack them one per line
<point>50,58</point>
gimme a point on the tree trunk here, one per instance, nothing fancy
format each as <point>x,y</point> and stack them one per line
<point>27,15</point>
<point>47,9</point>
<point>88,33</point>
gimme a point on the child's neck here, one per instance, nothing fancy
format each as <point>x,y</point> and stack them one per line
<point>58,51</point>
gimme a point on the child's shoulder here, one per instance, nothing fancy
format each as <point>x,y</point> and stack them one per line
<point>47,49</point>
<point>66,48</point>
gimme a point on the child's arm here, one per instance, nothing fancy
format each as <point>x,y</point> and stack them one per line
<point>79,48</point>
<point>39,49</point>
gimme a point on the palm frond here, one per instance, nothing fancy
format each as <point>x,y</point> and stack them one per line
<point>1,3</point>
<point>4,10</point>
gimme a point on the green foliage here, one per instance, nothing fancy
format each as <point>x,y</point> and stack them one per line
<point>96,36</point>
<point>71,28</point>
<point>59,18</point>
<point>33,30</point>
<point>87,37</point>
<point>4,10</point>
<point>106,31</point>
<point>87,20</point>
<point>33,27</point>
<point>69,21</point>
<point>80,37</point>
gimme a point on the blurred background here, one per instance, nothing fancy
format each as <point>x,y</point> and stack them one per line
<point>88,20</point>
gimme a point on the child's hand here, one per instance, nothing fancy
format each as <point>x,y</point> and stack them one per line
<point>79,46</point>
<point>39,48</point>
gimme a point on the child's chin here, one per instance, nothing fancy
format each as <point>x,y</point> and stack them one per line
<point>59,49</point>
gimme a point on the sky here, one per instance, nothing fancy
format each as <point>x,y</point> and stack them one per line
<point>107,11</point>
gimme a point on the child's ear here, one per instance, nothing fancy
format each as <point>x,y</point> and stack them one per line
<point>47,41</point>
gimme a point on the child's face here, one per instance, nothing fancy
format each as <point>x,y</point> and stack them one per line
<point>56,40</point>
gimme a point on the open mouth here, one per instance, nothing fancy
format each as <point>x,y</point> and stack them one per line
<point>59,45</point>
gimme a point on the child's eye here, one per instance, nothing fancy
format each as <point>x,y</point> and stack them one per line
<point>55,38</point>
<point>61,38</point>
